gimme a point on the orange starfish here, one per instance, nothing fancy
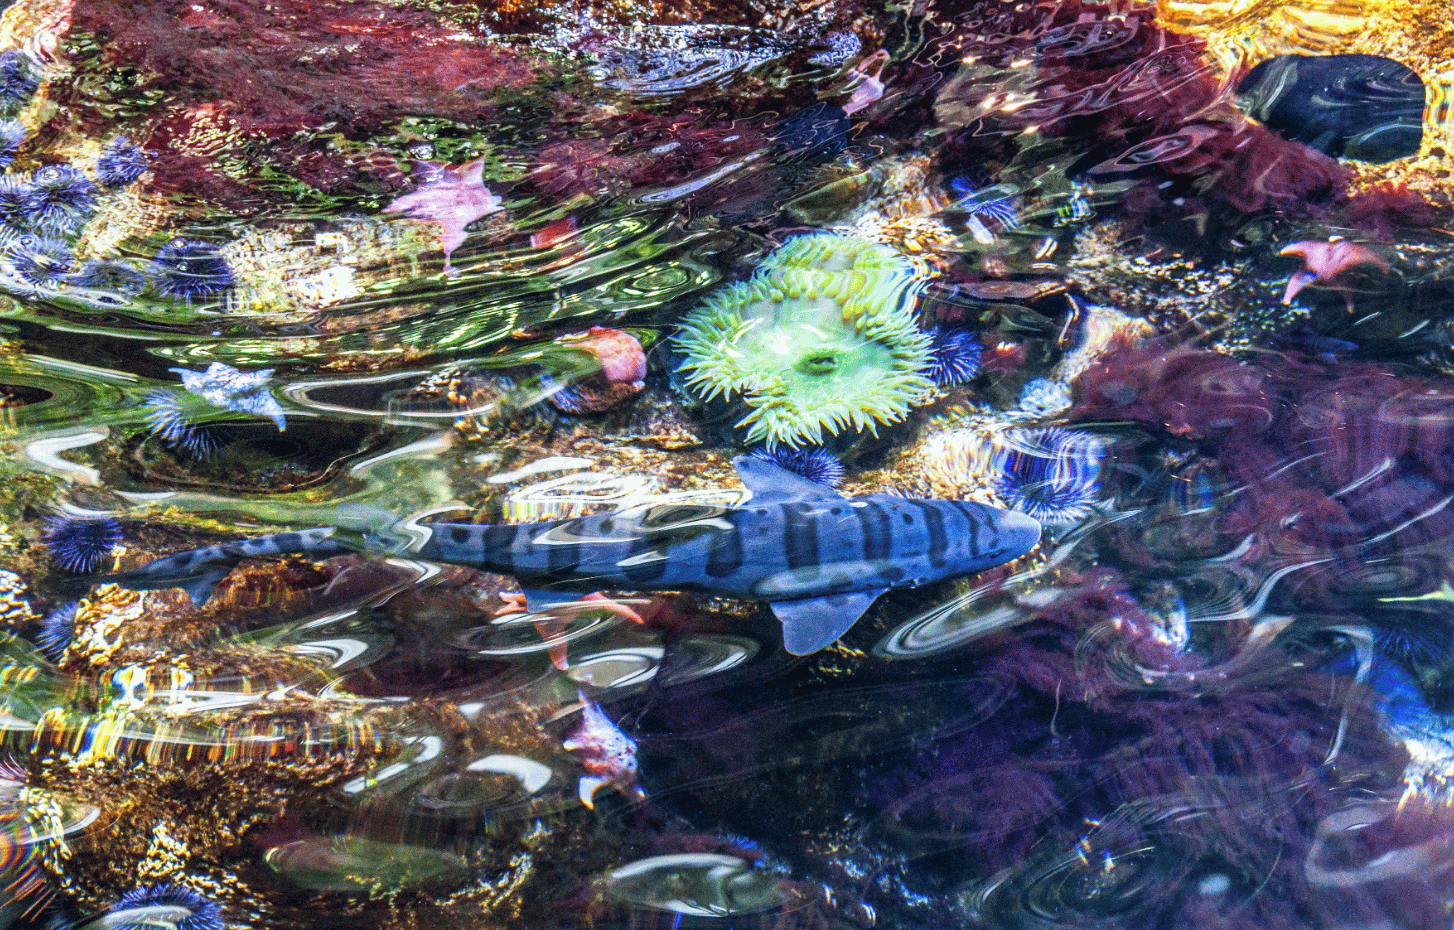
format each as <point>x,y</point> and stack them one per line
<point>1325,262</point>
<point>553,630</point>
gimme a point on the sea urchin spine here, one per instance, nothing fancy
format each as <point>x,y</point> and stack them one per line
<point>80,545</point>
<point>185,269</point>
<point>1051,474</point>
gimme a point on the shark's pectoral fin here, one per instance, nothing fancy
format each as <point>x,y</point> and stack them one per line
<point>199,589</point>
<point>537,599</point>
<point>811,624</point>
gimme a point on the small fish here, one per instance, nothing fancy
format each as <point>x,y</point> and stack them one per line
<point>818,558</point>
<point>607,754</point>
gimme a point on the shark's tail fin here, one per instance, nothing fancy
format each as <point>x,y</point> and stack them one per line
<point>197,571</point>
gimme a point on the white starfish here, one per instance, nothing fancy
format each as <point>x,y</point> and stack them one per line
<point>223,386</point>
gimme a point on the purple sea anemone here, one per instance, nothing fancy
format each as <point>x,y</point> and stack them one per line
<point>814,464</point>
<point>120,163</point>
<point>186,268</point>
<point>62,199</point>
<point>131,910</point>
<point>80,545</point>
<point>954,356</point>
<point>56,631</point>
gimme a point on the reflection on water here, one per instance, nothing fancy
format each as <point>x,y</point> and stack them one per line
<point>1168,279</point>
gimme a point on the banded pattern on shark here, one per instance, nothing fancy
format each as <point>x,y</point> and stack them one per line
<point>819,558</point>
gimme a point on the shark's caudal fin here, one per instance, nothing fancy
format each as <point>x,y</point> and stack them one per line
<point>772,484</point>
<point>197,571</point>
<point>811,624</point>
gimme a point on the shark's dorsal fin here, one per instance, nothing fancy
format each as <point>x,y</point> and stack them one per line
<point>812,623</point>
<point>772,484</point>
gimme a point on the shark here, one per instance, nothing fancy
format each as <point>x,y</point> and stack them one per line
<point>819,559</point>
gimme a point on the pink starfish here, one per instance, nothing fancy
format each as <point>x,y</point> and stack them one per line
<point>452,196</point>
<point>1325,262</point>
<point>868,88</point>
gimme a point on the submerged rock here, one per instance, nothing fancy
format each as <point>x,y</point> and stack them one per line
<point>1364,107</point>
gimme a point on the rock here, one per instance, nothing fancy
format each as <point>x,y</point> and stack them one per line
<point>1363,107</point>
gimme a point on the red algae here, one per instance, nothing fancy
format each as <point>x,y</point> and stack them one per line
<point>228,77</point>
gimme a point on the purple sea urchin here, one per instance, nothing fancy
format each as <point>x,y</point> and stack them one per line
<point>168,416</point>
<point>120,163</point>
<point>34,263</point>
<point>142,907</point>
<point>186,268</point>
<point>1051,474</point>
<point>14,202</point>
<point>12,134</point>
<point>821,339</point>
<point>953,356</point>
<point>62,199</point>
<point>56,632</point>
<point>80,545</point>
<point>995,203</point>
<point>114,276</point>
<point>818,465</point>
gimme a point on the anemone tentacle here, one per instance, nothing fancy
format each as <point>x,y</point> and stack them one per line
<point>821,339</point>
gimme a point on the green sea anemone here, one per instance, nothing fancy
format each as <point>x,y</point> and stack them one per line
<point>820,339</point>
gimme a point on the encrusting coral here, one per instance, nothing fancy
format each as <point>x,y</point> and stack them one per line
<point>820,340</point>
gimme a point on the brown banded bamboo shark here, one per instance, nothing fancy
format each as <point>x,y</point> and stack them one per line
<point>818,558</point>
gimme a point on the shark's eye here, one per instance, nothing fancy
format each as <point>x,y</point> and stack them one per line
<point>819,364</point>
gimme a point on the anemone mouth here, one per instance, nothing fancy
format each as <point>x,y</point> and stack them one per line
<point>820,340</point>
